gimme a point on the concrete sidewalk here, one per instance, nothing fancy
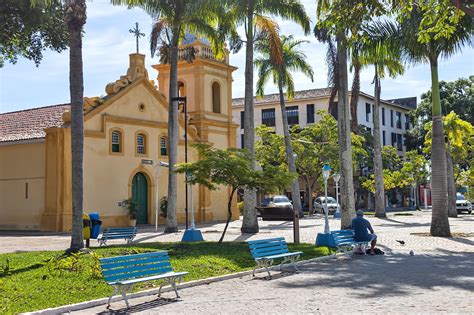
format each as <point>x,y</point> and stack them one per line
<point>394,283</point>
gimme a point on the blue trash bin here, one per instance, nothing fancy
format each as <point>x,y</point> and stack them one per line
<point>95,224</point>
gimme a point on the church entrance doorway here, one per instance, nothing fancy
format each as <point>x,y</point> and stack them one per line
<point>140,197</point>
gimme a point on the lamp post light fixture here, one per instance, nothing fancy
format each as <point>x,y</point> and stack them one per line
<point>182,100</point>
<point>337,177</point>
<point>326,173</point>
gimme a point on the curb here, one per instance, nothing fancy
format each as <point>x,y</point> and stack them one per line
<point>190,284</point>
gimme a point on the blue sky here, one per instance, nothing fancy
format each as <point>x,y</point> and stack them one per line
<point>107,43</point>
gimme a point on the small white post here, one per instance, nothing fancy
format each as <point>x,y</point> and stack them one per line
<point>425,199</point>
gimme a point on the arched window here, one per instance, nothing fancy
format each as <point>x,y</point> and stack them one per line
<point>181,91</point>
<point>163,146</point>
<point>216,98</point>
<point>141,144</point>
<point>116,141</point>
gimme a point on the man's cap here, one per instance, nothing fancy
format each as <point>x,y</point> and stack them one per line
<point>360,213</point>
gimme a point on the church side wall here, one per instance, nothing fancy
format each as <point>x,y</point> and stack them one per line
<point>22,185</point>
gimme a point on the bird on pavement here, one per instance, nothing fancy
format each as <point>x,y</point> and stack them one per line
<point>401,242</point>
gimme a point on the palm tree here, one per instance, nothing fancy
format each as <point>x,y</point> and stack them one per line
<point>279,67</point>
<point>382,51</point>
<point>172,18</point>
<point>430,51</point>
<point>75,18</point>
<point>253,15</point>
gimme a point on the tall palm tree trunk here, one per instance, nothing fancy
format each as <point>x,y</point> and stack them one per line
<point>378,168</point>
<point>452,212</point>
<point>439,189</point>
<point>344,134</point>
<point>249,223</point>
<point>75,18</point>
<point>171,222</point>
<point>355,95</point>
<point>295,186</point>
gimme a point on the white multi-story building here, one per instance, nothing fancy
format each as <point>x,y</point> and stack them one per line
<point>302,110</point>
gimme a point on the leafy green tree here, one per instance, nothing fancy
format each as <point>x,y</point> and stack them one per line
<point>289,58</point>
<point>29,30</point>
<point>381,51</point>
<point>424,41</point>
<point>254,16</point>
<point>344,20</point>
<point>172,19</point>
<point>231,167</point>
<point>459,135</point>
<point>416,167</point>
<point>314,145</point>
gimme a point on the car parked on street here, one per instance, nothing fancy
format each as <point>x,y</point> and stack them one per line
<point>320,203</point>
<point>276,207</point>
<point>463,205</point>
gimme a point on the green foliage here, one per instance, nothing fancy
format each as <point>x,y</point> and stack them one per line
<point>30,285</point>
<point>164,206</point>
<point>27,31</point>
<point>440,18</point>
<point>457,96</point>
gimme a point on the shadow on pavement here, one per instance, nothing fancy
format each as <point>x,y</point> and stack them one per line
<point>141,307</point>
<point>392,274</point>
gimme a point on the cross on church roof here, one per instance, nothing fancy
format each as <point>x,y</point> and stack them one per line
<point>136,32</point>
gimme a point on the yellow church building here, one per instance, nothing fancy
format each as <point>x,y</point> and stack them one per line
<point>122,129</point>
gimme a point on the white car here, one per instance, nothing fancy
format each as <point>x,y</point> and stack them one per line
<point>320,203</point>
<point>462,204</point>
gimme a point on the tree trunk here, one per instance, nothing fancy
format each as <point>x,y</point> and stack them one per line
<point>355,95</point>
<point>335,80</point>
<point>75,18</point>
<point>295,186</point>
<point>229,214</point>
<point>344,134</point>
<point>378,168</point>
<point>249,222</point>
<point>171,221</point>
<point>452,212</point>
<point>439,214</point>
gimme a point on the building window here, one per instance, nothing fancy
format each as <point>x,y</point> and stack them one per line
<point>292,114</point>
<point>242,119</point>
<point>163,146</point>
<point>141,144</point>
<point>383,116</point>
<point>268,117</point>
<point>407,122</point>
<point>394,139</point>
<point>242,141</point>
<point>391,118</point>
<point>367,112</point>
<point>116,141</point>
<point>216,98</point>
<point>383,137</point>
<point>399,120</point>
<point>399,142</point>
<point>181,90</point>
<point>310,113</point>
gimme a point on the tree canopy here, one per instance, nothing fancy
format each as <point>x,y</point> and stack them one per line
<point>27,31</point>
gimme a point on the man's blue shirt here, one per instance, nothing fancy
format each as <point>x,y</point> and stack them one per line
<point>361,229</point>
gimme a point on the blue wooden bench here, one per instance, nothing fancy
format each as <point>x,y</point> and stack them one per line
<point>123,272</point>
<point>126,233</point>
<point>345,243</point>
<point>266,251</point>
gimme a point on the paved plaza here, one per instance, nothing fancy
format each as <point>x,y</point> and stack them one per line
<point>438,278</point>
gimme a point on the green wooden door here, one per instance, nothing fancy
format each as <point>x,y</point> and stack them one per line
<point>140,197</point>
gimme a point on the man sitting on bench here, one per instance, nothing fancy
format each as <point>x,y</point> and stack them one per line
<point>361,227</point>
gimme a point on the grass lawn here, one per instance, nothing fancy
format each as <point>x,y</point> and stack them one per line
<point>37,280</point>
